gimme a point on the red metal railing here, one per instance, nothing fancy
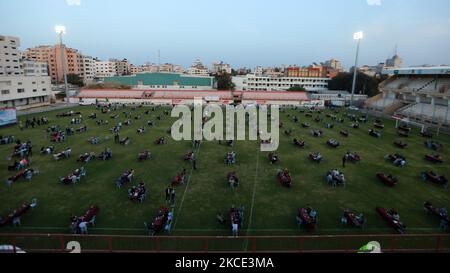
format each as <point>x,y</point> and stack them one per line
<point>243,244</point>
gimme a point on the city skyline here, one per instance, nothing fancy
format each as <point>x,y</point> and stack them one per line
<point>319,34</point>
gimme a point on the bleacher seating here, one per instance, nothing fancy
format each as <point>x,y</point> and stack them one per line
<point>415,110</point>
<point>397,83</point>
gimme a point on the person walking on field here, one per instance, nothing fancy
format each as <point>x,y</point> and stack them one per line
<point>168,192</point>
<point>194,163</point>
<point>172,197</point>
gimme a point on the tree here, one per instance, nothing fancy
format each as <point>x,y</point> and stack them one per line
<point>366,84</point>
<point>298,88</point>
<point>75,80</point>
<point>224,81</point>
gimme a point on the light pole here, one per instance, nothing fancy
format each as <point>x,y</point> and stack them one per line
<point>357,36</point>
<point>61,30</point>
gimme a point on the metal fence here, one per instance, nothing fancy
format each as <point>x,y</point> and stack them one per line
<point>203,244</point>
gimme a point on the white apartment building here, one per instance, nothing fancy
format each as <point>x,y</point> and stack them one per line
<point>219,67</point>
<point>23,83</point>
<point>266,83</point>
<point>10,56</point>
<point>198,69</point>
<point>88,71</point>
<point>34,68</point>
<point>104,69</point>
<point>24,91</point>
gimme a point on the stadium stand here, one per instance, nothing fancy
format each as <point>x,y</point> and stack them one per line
<point>421,94</point>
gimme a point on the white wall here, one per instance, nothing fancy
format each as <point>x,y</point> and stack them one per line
<point>21,87</point>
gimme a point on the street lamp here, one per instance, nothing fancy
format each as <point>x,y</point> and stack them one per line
<point>61,30</point>
<point>356,36</point>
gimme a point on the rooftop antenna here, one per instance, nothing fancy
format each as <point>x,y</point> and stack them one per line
<point>396,49</point>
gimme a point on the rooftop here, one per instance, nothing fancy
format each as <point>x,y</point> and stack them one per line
<point>162,79</point>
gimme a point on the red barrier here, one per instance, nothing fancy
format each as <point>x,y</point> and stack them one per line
<point>201,244</point>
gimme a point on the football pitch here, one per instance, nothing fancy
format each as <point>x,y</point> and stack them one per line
<point>269,207</point>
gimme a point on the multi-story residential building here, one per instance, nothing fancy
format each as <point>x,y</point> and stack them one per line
<point>24,91</point>
<point>73,60</point>
<point>197,68</point>
<point>335,64</point>
<point>104,69</point>
<point>266,83</point>
<point>22,84</point>
<point>34,68</point>
<point>171,68</point>
<point>10,56</point>
<point>122,67</point>
<point>135,69</point>
<point>88,69</point>
<point>394,62</point>
<point>220,67</point>
<point>309,72</point>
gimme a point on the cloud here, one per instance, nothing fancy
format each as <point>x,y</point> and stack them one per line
<point>374,2</point>
<point>73,2</point>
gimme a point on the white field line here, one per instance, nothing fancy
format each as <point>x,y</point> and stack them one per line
<point>253,199</point>
<point>184,193</point>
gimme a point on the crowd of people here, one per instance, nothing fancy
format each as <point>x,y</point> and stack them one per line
<point>137,193</point>
<point>335,178</point>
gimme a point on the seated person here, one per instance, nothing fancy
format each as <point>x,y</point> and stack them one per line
<point>141,130</point>
<point>273,158</point>
<point>47,150</point>
<point>144,155</point>
<point>233,180</point>
<point>160,141</point>
<point>86,157</point>
<point>106,154</point>
<point>299,142</point>
<point>94,140</point>
<point>189,156</point>
<point>316,157</point>
<point>395,215</point>
<point>125,141</point>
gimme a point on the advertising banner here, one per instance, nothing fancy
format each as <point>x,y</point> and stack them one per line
<point>8,116</point>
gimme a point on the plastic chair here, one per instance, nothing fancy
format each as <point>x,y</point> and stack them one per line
<point>16,221</point>
<point>34,203</point>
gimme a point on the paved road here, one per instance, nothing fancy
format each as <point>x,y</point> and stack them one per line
<point>43,109</point>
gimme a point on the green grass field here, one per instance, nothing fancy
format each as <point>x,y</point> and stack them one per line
<point>270,208</point>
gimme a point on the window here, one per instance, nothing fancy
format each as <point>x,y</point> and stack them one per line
<point>20,90</point>
<point>5,92</point>
<point>44,89</point>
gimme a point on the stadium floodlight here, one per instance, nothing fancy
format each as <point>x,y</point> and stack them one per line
<point>356,36</point>
<point>61,30</point>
